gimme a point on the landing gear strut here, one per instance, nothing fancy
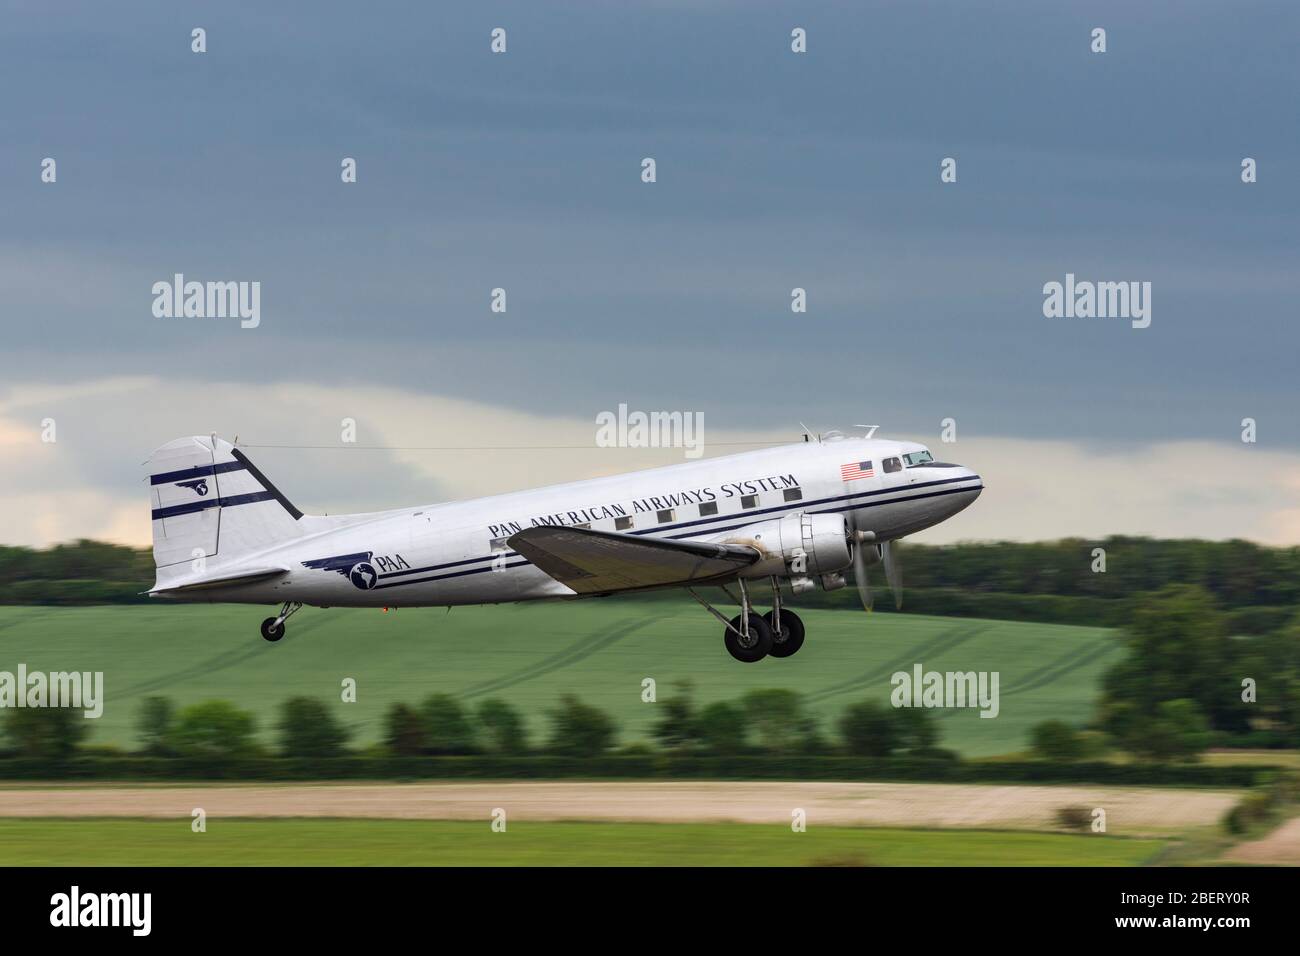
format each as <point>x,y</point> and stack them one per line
<point>273,627</point>
<point>750,637</point>
<point>786,628</point>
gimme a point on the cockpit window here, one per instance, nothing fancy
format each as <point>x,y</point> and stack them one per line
<point>892,464</point>
<point>917,458</point>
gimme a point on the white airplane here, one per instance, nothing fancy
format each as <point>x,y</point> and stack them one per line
<point>797,516</point>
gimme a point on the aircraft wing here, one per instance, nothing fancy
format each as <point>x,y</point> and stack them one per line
<point>603,562</point>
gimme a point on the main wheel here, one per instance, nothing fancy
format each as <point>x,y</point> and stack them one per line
<point>272,631</point>
<point>787,637</point>
<point>754,648</point>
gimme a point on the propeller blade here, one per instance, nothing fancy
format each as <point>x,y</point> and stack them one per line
<point>893,573</point>
<point>860,539</point>
<point>860,576</point>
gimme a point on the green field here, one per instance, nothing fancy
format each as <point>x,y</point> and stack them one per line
<point>529,655</point>
<point>300,842</point>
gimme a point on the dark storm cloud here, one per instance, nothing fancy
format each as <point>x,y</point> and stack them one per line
<point>775,171</point>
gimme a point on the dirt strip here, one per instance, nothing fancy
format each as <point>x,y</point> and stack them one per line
<point>1281,847</point>
<point>1129,811</point>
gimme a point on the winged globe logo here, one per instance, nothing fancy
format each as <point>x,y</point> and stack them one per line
<point>363,575</point>
<point>199,486</point>
<point>356,567</point>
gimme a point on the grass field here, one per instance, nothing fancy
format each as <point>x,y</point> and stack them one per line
<point>529,655</point>
<point>435,843</point>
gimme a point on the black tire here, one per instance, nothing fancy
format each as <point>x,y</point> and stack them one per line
<point>760,639</point>
<point>787,638</point>
<point>272,631</point>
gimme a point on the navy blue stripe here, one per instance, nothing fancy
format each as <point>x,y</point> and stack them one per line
<point>856,507</point>
<point>747,515</point>
<point>230,502</point>
<point>197,471</point>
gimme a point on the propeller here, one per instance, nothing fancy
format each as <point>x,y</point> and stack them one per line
<point>893,573</point>
<point>860,575</point>
<point>885,553</point>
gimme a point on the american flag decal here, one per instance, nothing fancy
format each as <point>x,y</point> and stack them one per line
<point>856,469</point>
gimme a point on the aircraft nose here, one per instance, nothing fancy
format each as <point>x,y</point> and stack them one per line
<point>972,485</point>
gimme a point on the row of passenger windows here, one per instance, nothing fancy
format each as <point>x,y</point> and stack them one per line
<point>705,509</point>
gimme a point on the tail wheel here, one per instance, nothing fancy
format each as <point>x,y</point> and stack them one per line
<point>271,630</point>
<point>787,635</point>
<point>752,648</point>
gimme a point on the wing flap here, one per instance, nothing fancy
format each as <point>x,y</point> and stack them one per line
<point>604,562</point>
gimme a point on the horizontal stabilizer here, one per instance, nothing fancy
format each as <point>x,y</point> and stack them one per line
<point>605,562</point>
<point>223,579</point>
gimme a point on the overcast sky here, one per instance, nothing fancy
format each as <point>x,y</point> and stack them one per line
<point>775,170</point>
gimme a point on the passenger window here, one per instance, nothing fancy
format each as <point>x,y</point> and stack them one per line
<point>622,524</point>
<point>793,494</point>
<point>666,515</point>
<point>892,464</point>
<point>708,508</point>
<point>497,544</point>
<point>749,501</point>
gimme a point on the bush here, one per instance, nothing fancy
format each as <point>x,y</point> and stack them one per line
<point>1074,818</point>
<point>868,729</point>
<point>502,728</point>
<point>447,728</point>
<point>154,725</point>
<point>1251,810</point>
<point>46,733</point>
<point>579,730</point>
<point>1056,740</point>
<point>404,731</point>
<point>214,729</point>
<point>722,729</point>
<point>678,725</point>
<point>1178,731</point>
<point>778,718</point>
<point>308,728</point>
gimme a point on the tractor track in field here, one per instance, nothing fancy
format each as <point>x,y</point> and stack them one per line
<point>1070,661</point>
<point>27,619</point>
<point>942,643</point>
<point>219,662</point>
<point>1064,665</point>
<point>578,651</point>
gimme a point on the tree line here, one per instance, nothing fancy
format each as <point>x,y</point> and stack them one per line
<point>1057,581</point>
<point>761,722</point>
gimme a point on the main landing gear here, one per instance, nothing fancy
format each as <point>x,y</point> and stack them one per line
<point>273,627</point>
<point>749,636</point>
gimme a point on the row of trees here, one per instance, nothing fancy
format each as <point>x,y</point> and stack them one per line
<point>1187,676</point>
<point>1053,580</point>
<point>1189,680</point>
<point>760,722</point>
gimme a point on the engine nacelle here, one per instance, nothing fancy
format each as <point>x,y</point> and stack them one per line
<point>798,545</point>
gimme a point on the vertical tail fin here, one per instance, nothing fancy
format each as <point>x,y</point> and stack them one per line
<point>209,501</point>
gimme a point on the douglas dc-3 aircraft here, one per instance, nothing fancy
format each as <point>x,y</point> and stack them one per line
<point>797,517</point>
